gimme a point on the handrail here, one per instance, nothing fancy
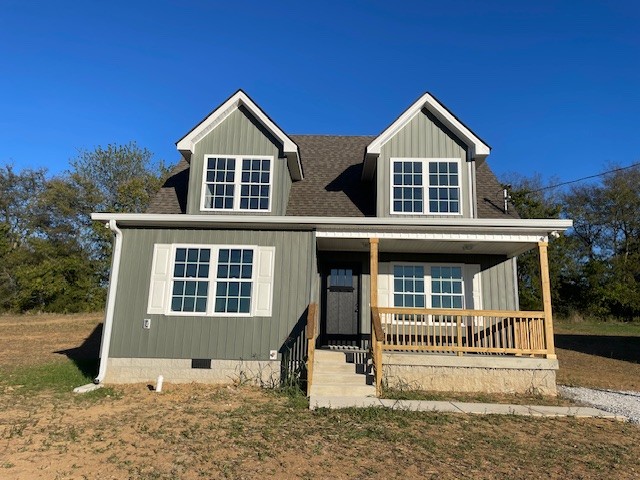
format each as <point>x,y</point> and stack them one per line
<point>312,333</point>
<point>377,341</point>
<point>458,311</point>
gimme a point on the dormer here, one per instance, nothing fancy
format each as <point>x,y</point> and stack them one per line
<point>424,164</point>
<point>241,162</point>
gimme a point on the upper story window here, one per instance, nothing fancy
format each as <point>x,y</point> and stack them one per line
<point>237,183</point>
<point>425,186</point>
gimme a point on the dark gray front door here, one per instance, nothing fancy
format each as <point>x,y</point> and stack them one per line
<point>342,298</point>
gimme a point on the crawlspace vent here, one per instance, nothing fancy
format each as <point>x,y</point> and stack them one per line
<point>201,363</point>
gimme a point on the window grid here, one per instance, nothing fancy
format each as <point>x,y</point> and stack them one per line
<point>408,286</point>
<point>234,275</point>
<point>220,183</point>
<point>254,193</point>
<point>447,288</point>
<point>444,189</point>
<point>407,187</point>
<point>190,280</point>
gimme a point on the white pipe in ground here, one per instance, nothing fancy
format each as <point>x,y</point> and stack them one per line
<point>159,384</point>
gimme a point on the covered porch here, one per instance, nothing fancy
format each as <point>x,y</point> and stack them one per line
<point>414,339</point>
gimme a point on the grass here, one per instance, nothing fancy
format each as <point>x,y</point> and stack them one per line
<point>201,432</point>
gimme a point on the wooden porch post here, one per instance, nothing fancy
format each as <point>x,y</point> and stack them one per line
<point>546,299</point>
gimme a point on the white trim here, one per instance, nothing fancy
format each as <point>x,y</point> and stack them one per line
<point>426,185</point>
<point>539,226</point>
<point>480,149</point>
<point>454,237</point>
<point>186,144</point>
<point>237,184</point>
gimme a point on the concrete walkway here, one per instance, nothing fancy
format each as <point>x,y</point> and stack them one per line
<point>460,407</point>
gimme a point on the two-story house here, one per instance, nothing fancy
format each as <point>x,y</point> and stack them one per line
<point>264,248</point>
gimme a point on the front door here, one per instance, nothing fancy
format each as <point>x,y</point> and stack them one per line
<point>341,318</point>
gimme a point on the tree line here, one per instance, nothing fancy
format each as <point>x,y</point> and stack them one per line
<point>53,258</point>
<point>594,267</point>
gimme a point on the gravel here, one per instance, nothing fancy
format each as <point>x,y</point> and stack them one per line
<point>624,403</point>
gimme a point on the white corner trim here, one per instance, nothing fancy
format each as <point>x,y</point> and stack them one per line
<point>187,143</point>
<point>479,148</point>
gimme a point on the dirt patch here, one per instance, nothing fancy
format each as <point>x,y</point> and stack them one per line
<point>200,431</point>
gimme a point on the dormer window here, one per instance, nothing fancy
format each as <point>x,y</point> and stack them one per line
<point>425,186</point>
<point>237,183</point>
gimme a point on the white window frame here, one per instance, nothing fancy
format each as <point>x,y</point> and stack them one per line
<point>425,184</point>
<point>237,183</point>
<point>162,280</point>
<point>467,287</point>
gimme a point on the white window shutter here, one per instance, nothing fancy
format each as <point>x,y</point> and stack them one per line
<point>160,279</point>
<point>263,295</point>
<point>473,293</point>
<point>385,283</point>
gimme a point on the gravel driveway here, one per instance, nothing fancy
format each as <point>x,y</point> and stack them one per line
<point>618,402</point>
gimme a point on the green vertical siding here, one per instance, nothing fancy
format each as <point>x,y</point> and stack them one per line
<point>239,134</point>
<point>423,137</point>
<point>209,337</point>
<point>499,289</point>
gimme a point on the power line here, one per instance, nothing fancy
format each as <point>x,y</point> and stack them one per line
<point>584,178</point>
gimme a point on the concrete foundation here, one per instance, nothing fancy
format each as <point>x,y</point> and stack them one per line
<point>470,374</point>
<point>137,370</point>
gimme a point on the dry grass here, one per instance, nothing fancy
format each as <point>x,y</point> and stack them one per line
<point>197,431</point>
<point>599,355</point>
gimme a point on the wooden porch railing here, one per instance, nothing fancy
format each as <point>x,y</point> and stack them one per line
<point>463,331</point>
<point>377,342</point>
<point>312,334</point>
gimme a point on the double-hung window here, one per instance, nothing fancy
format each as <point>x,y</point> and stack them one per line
<point>237,183</point>
<point>211,280</point>
<point>430,286</point>
<point>425,186</point>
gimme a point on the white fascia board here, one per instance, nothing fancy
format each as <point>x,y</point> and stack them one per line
<point>479,149</point>
<point>187,143</point>
<point>489,225</point>
<point>436,236</point>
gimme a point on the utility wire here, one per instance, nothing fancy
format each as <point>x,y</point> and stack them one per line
<point>584,178</point>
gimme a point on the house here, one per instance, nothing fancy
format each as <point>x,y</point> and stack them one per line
<point>263,250</point>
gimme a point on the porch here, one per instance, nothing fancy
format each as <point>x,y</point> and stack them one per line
<point>469,346</point>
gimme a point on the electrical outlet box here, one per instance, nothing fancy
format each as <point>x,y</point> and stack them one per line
<point>273,354</point>
<point>146,323</point>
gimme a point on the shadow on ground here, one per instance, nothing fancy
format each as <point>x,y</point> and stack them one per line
<point>85,357</point>
<point>616,347</point>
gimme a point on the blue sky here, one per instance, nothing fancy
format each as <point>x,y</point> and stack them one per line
<point>553,87</point>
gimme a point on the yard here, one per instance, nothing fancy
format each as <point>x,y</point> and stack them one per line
<point>196,431</point>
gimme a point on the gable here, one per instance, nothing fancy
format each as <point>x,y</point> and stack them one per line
<point>478,149</point>
<point>186,145</point>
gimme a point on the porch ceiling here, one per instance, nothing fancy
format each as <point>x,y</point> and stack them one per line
<point>468,247</point>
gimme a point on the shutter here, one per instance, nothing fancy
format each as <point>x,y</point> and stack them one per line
<point>473,293</point>
<point>385,292</point>
<point>160,279</point>
<point>263,300</point>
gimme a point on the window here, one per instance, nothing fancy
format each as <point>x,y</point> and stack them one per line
<point>235,271</point>
<point>408,286</point>
<point>211,280</point>
<point>442,185</point>
<point>445,286</point>
<point>237,183</point>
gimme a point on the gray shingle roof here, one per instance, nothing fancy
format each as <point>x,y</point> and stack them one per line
<point>331,186</point>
